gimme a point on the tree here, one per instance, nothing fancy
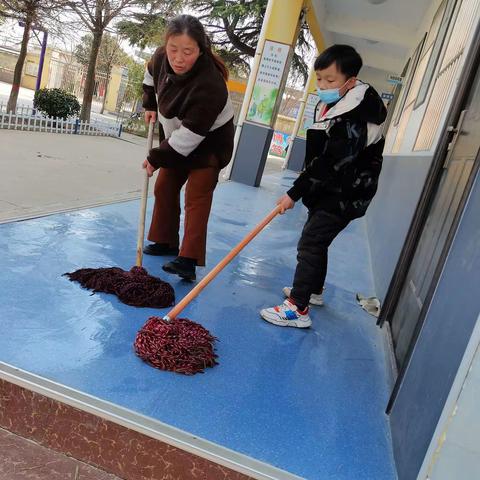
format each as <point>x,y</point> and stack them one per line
<point>32,13</point>
<point>234,27</point>
<point>144,29</point>
<point>97,15</point>
<point>136,72</point>
<point>109,55</point>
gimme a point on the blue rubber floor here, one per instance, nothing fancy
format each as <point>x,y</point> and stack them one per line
<point>309,402</point>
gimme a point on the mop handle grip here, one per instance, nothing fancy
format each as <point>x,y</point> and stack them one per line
<point>143,202</point>
<point>220,266</point>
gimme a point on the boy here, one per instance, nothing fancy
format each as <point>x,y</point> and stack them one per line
<point>343,160</point>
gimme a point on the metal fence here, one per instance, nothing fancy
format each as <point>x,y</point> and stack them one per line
<point>27,119</point>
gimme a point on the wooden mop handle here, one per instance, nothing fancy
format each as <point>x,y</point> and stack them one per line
<point>143,202</point>
<point>220,266</point>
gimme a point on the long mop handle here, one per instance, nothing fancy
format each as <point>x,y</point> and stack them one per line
<point>220,266</point>
<point>143,202</point>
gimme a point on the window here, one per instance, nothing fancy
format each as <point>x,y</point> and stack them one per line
<point>406,104</point>
<point>392,108</point>
<point>408,80</point>
<point>461,27</point>
<point>434,43</point>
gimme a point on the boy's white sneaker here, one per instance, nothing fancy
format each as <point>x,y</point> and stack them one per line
<point>315,298</point>
<point>287,315</point>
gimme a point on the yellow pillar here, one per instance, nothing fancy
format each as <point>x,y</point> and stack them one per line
<point>300,122</point>
<point>314,26</point>
<point>282,24</point>
<point>276,43</point>
<point>113,88</point>
<point>309,98</point>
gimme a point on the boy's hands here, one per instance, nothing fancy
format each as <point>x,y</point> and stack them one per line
<point>285,203</point>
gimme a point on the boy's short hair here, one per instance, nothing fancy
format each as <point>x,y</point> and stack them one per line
<point>348,61</point>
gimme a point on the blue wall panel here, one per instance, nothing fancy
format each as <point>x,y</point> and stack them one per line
<point>391,212</point>
<point>441,345</point>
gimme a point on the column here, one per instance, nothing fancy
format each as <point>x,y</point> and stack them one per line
<point>264,90</point>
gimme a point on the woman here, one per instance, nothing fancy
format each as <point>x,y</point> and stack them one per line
<point>185,82</point>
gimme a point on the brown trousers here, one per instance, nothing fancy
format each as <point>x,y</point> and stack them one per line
<point>201,183</point>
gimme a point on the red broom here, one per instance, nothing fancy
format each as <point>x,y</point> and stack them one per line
<point>135,287</point>
<point>178,344</point>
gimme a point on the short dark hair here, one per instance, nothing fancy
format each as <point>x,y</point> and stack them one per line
<point>348,61</point>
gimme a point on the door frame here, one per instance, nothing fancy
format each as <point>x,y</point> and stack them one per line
<point>422,211</point>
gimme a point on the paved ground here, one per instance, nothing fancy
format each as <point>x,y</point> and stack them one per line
<point>43,172</point>
<point>22,459</point>
<point>46,172</point>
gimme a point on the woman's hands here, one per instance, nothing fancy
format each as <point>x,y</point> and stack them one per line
<point>285,203</point>
<point>150,168</point>
<point>150,116</point>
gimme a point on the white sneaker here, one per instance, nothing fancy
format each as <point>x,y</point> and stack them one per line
<point>315,298</point>
<point>287,315</point>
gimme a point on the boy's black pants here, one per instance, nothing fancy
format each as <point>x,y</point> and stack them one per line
<point>312,257</point>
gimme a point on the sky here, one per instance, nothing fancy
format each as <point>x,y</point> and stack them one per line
<point>11,35</point>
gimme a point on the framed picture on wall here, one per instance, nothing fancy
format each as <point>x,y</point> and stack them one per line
<point>267,83</point>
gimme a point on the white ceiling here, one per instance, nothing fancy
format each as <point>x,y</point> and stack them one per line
<point>382,31</point>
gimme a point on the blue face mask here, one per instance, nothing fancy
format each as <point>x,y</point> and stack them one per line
<point>331,95</point>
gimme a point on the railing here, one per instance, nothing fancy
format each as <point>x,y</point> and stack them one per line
<point>27,119</point>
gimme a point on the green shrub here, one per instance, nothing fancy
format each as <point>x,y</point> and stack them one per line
<point>54,102</point>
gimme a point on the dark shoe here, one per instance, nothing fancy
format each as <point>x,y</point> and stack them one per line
<point>183,267</point>
<point>160,249</point>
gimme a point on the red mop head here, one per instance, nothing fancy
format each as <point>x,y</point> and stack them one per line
<point>178,345</point>
<point>135,287</point>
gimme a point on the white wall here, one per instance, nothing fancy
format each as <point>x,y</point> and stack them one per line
<point>417,115</point>
<point>376,78</point>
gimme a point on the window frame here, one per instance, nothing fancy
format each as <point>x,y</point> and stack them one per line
<point>439,42</point>
<point>415,59</point>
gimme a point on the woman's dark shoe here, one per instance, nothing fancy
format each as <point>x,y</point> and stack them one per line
<point>160,249</point>
<point>183,267</point>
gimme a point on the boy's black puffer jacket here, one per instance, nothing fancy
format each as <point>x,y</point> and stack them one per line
<point>343,155</point>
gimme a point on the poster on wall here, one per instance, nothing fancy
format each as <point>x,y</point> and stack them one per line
<point>267,84</point>
<point>307,119</point>
<point>279,145</point>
